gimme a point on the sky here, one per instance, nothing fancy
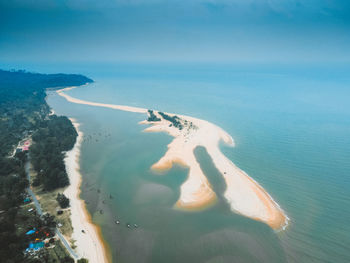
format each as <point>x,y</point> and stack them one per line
<point>175,31</point>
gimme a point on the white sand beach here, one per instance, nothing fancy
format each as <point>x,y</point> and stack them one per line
<point>89,244</point>
<point>112,106</point>
<point>244,195</point>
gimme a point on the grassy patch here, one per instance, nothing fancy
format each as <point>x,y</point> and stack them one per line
<point>49,204</point>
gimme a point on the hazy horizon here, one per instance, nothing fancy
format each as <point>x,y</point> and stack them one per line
<point>202,31</point>
<point>271,74</point>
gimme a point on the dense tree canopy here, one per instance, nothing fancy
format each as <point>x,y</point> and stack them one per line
<point>152,116</point>
<point>62,200</point>
<point>56,135</point>
<point>174,120</point>
<point>24,112</point>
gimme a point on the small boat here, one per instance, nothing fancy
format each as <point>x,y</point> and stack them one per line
<point>117,222</point>
<point>136,226</point>
<point>128,225</point>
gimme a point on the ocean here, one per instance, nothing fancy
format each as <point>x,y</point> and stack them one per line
<point>291,127</point>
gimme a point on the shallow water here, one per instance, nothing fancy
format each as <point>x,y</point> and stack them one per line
<point>291,128</point>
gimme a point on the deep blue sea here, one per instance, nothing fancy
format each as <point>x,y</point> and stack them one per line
<point>291,125</point>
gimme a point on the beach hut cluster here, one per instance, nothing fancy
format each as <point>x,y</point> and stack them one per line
<point>23,146</point>
<point>38,239</point>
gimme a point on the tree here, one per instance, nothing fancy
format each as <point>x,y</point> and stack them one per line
<point>49,220</point>
<point>68,259</point>
<point>62,200</point>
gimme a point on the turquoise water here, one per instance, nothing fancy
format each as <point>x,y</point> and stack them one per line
<point>291,127</point>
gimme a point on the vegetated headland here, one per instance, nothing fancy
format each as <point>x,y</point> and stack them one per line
<point>32,137</point>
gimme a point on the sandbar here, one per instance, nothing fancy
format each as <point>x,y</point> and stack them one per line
<point>244,195</point>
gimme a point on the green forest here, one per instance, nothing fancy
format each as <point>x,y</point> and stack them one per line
<point>174,120</point>
<point>152,116</point>
<point>55,135</point>
<point>23,113</point>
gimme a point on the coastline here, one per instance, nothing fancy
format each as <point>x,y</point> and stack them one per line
<point>90,244</point>
<point>244,195</point>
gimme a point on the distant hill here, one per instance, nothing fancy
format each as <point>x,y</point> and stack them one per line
<point>22,101</point>
<point>16,85</point>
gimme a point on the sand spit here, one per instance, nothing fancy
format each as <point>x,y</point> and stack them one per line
<point>244,195</point>
<point>89,244</point>
<point>112,106</point>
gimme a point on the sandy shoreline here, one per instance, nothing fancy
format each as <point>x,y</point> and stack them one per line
<point>244,195</point>
<point>90,244</point>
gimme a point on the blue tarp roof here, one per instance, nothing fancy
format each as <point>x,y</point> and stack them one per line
<point>36,246</point>
<point>30,232</point>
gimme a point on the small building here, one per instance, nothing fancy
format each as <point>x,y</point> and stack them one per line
<point>18,150</point>
<point>30,232</point>
<point>35,246</point>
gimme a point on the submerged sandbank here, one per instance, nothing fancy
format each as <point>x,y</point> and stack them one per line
<point>89,243</point>
<point>244,195</point>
